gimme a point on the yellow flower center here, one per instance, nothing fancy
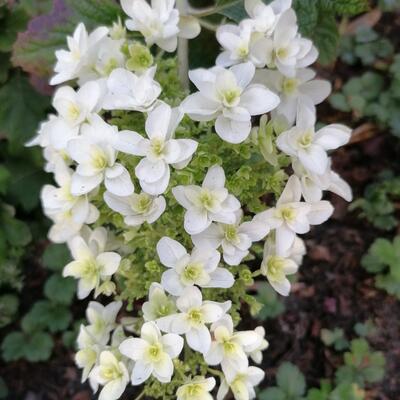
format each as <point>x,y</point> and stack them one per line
<point>230,97</point>
<point>287,213</point>
<point>155,352</point>
<point>110,372</point>
<point>99,159</point>
<point>231,234</point>
<point>289,85</point>
<point>305,140</point>
<point>275,266</point>
<point>195,315</point>
<point>192,272</point>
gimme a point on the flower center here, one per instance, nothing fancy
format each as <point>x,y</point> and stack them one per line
<point>229,347</point>
<point>110,373</point>
<point>195,316</point>
<point>243,51</point>
<point>282,52</point>
<point>231,97</point>
<point>289,85</point>
<point>275,268</point>
<point>157,147</point>
<point>142,204</point>
<point>89,268</point>
<point>287,213</point>
<point>192,272</point>
<point>305,140</point>
<point>73,112</point>
<point>163,310</point>
<point>193,390</point>
<point>207,199</point>
<point>155,352</point>
<point>99,159</point>
<point>231,234</point>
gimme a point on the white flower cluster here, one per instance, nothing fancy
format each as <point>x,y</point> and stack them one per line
<point>263,69</point>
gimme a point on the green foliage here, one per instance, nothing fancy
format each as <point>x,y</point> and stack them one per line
<point>271,305</point>
<point>365,46</point>
<point>335,338</point>
<point>347,391</point>
<point>291,384</point>
<point>17,98</point>
<point>383,259</point>
<point>361,365</point>
<point>60,290</point>
<point>365,329</point>
<point>8,309</point>
<point>56,256</point>
<point>374,95</point>
<point>378,203</point>
<point>3,389</point>
<point>34,347</point>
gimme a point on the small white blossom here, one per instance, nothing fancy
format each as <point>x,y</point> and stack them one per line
<point>193,317</point>
<point>102,320</point>
<point>160,150</point>
<point>112,374</point>
<point>136,208</point>
<point>89,267</point>
<point>265,16</point>
<point>127,91</point>
<point>96,157</point>
<point>313,185</point>
<point>198,388</point>
<point>159,22</point>
<point>255,350</point>
<point>294,91</point>
<point>310,147</point>
<point>287,50</point>
<point>198,268</point>
<point>241,384</point>
<point>208,203</point>
<point>227,347</point>
<point>75,107</point>
<point>227,96</point>
<point>153,354</point>
<point>69,63</point>
<point>88,352</point>
<point>159,304</point>
<point>235,239</point>
<point>291,216</point>
<point>68,212</point>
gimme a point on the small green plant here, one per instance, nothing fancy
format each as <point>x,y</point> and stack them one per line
<point>291,384</point>
<point>383,259</point>
<point>272,307</point>
<point>365,329</point>
<point>335,338</point>
<point>377,205</point>
<point>47,316</point>
<point>361,365</point>
<point>365,46</point>
<point>344,391</point>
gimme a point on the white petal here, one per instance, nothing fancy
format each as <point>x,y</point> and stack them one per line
<point>333,136</point>
<point>133,348</point>
<point>258,100</point>
<point>158,120</point>
<point>199,339</point>
<point>320,212</point>
<point>244,73</point>
<point>215,178</point>
<point>173,344</point>
<point>170,251</point>
<point>232,131</point>
<point>141,372</point>
<point>221,278</point>
<point>196,221</point>
<point>118,181</point>
<point>171,282</point>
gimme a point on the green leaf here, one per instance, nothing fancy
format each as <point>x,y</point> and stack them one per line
<point>60,290</point>
<point>334,338</point>
<point>56,256</point>
<point>339,102</point>
<point>366,329</point>
<point>21,109</point>
<point>322,393</point>
<point>8,309</point>
<point>291,380</point>
<point>17,232</point>
<point>350,7</point>
<point>347,391</point>
<point>273,393</point>
<point>13,22</point>
<point>39,347</point>
<point>3,389</point>
<point>4,179</point>
<point>233,9</point>
<point>272,305</point>
<point>13,346</point>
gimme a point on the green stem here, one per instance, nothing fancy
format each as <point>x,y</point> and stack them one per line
<point>140,396</point>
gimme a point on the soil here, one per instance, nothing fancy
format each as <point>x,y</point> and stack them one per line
<point>332,290</point>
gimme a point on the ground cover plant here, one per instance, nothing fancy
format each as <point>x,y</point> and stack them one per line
<point>178,208</point>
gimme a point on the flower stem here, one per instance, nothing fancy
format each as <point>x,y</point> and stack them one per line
<point>183,51</point>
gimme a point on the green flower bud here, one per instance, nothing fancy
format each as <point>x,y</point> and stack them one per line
<point>140,57</point>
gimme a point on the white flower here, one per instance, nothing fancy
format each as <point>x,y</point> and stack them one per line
<point>127,91</point>
<point>102,320</point>
<point>193,317</point>
<point>238,42</point>
<point>313,185</point>
<point>88,353</point>
<point>89,267</point>
<point>70,62</point>
<point>291,216</point>
<point>96,157</point>
<point>241,384</point>
<point>310,147</point>
<point>160,150</point>
<point>275,267</point>
<point>198,388</point>
<point>227,348</point>
<point>225,95</point>
<point>136,208</point>
<point>68,212</point>
<point>159,23</point>
<point>198,268</point>
<point>96,239</point>
<point>152,353</point>
<point>208,203</point>
<point>76,107</point>
<point>255,350</point>
<point>264,17</point>
<point>293,91</point>
<point>235,239</point>
<point>159,304</point>
<point>112,374</point>
<point>287,50</point>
